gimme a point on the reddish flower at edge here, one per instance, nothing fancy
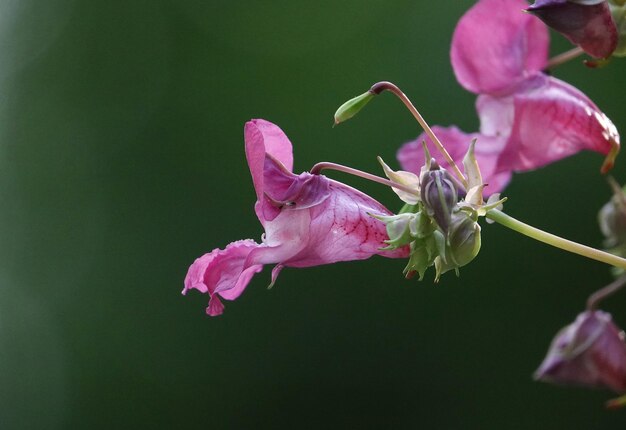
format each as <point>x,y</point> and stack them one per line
<point>589,352</point>
<point>309,220</point>
<point>527,119</point>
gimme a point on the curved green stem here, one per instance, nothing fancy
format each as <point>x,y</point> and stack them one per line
<point>556,241</point>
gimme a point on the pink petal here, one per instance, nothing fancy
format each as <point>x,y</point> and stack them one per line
<point>495,44</point>
<point>553,120</point>
<point>411,154</point>
<point>342,230</point>
<point>338,229</point>
<point>222,273</point>
<point>588,25</point>
<point>263,137</point>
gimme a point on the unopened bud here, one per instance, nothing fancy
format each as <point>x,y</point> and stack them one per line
<point>463,238</point>
<point>398,229</point>
<point>589,352</point>
<point>352,107</point>
<point>439,193</point>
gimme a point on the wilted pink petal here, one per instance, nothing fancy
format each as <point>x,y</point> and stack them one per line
<point>588,24</point>
<point>309,220</point>
<point>551,120</point>
<point>495,45</point>
<point>488,148</point>
<point>590,352</point>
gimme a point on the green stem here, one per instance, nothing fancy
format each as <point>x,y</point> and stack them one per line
<point>556,241</point>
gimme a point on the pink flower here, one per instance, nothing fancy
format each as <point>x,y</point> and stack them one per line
<point>587,23</point>
<point>590,352</point>
<point>308,219</point>
<point>527,119</point>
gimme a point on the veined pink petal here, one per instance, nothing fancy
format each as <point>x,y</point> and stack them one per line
<point>343,230</point>
<point>587,24</point>
<point>487,151</point>
<point>552,120</point>
<point>222,273</point>
<point>495,44</point>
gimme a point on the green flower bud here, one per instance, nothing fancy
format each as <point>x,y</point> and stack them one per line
<point>463,238</point>
<point>398,229</point>
<point>422,256</point>
<point>352,107</point>
<point>462,246</point>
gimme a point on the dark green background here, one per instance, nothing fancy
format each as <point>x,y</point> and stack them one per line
<point>121,161</point>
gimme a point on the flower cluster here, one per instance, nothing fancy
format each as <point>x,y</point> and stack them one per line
<point>439,221</point>
<point>528,119</point>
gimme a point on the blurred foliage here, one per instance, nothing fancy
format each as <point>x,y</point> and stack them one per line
<point>121,161</point>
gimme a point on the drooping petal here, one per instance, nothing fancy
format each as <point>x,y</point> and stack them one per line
<point>222,273</point>
<point>496,44</point>
<point>551,120</point>
<point>587,24</point>
<point>487,150</point>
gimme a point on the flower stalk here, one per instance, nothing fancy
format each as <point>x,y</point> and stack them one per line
<point>609,290</point>
<point>379,87</point>
<point>556,241</point>
<point>564,57</point>
<point>326,165</point>
<point>504,220</point>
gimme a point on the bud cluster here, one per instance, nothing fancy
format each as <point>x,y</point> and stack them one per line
<point>439,221</point>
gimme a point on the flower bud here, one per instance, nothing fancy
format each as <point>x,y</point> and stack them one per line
<point>352,107</point>
<point>422,256</point>
<point>587,23</point>
<point>398,229</point>
<point>589,352</point>
<point>463,238</point>
<point>439,193</point>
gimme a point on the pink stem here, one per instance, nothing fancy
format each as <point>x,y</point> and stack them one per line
<point>388,86</point>
<point>325,165</point>
<point>603,293</point>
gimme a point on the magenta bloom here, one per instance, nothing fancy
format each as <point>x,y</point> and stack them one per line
<point>309,220</point>
<point>527,119</point>
<point>589,352</point>
<point>587,23</point>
